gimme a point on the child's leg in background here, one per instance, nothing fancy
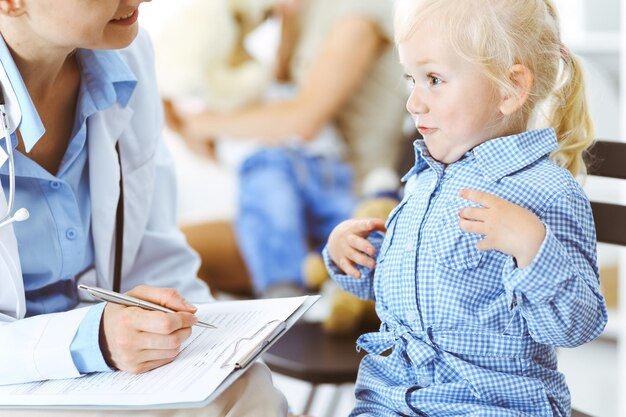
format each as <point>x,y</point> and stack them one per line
<point>289,201</point>
<point>329,198</point>
<point>270,224</point>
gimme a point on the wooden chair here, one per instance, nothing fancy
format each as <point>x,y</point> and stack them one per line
<point>308,354</point>
<point>607,159</point>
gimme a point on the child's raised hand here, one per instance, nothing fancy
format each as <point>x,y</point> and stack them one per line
<point>348,244</point>
<point>507,227</point>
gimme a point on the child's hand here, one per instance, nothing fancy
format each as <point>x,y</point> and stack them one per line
<point>507,227</point>
<point>348,244</point>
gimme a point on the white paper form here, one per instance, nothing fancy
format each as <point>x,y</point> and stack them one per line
<point>192,377</point>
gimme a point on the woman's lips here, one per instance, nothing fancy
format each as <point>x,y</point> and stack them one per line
<point>128,20</point>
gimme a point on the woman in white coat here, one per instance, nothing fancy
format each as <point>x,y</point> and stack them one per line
<point>72,98</point>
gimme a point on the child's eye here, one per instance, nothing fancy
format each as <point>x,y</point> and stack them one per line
<point>410,79</point>
<point>434,80</point>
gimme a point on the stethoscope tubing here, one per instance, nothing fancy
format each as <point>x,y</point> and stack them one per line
<point>9,148</point>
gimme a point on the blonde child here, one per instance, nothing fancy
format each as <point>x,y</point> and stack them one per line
<point>489,261</point>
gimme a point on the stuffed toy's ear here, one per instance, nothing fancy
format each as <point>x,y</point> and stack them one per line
<point>198,36</point>
<point>200,53</point>
<point>251,13</point>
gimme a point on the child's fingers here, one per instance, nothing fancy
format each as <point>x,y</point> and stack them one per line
<point>348,268</point>
<point>364,227</point>
<point>471,226</point>
<point>360,244</point>
<point>376,224</point>
<point>473,213</point>
<point>486,244</point>
<point>360,258</point>
<point>484,199</point>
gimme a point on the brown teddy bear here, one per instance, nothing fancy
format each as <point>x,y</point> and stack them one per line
<point>347,312</point>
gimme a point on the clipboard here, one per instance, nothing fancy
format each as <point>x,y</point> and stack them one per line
<point>243,364</point>
<point>232,362</point>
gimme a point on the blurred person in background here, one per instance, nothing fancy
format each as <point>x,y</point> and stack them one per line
<point>340,57</point>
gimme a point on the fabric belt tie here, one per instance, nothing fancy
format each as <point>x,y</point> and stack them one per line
<point>422,347</point>
<point>419,346</point>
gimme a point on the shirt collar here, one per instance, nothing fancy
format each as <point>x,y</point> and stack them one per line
<point>106,77</point>
<point>498,157</point>
<point>503,156</point>
<point>105,74</point>
<point>423,160</point>
<point>30,125</point>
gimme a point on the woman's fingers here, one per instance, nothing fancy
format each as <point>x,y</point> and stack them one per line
<point>172,341</point>
<point>148,365</point>
<point>131,335</point>
<point>158,322</point>
<point>166,297</point>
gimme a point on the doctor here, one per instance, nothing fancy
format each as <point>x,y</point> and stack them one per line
<point>71,98</point>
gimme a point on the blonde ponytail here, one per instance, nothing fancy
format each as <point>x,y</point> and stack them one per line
<point>570,117</point>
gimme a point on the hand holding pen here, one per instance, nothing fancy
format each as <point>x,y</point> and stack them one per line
<point>137,340</point>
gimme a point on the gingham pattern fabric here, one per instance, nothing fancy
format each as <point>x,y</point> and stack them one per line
<point>471,334</point>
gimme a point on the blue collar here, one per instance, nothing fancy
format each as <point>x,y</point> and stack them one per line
<point>504,156</point>
<point>496,158</point>
<point>105,74</point>
<point>107,77</point>
<point>30,124</point>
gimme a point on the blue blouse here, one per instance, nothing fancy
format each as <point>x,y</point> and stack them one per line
<point>55,244</point>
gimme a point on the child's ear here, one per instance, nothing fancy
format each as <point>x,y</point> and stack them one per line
<point>11,8</point>
<point>522,80</point>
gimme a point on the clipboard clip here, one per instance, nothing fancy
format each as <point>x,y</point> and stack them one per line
<point>271,329</point>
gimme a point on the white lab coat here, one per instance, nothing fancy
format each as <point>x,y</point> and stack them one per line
<point>155,252</point>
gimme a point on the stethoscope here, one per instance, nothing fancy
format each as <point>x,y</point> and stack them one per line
<point>20,214</point>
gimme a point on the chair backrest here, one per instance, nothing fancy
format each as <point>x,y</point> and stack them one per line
<point>608,159</point>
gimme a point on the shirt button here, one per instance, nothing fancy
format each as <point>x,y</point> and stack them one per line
<point>408,246</point>
<point>55,185</point>
<point>70,234</point>
<point>407,411</point>
<point>423,381</point>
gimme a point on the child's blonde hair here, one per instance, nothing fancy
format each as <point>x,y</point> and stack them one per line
<point>497,34</point>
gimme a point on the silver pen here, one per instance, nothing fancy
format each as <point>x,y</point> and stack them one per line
<point>127,300</point>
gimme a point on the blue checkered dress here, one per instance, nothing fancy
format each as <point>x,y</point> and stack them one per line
<point>469,333</point>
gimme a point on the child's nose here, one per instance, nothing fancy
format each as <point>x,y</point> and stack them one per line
<point>415,104</point>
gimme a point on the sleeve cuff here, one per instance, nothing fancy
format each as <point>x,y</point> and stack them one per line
<point>85,347</point>
<point>544,278</point>
<point>361,287</point>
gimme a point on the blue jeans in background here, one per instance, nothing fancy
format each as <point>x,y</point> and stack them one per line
<point>289,202</point>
